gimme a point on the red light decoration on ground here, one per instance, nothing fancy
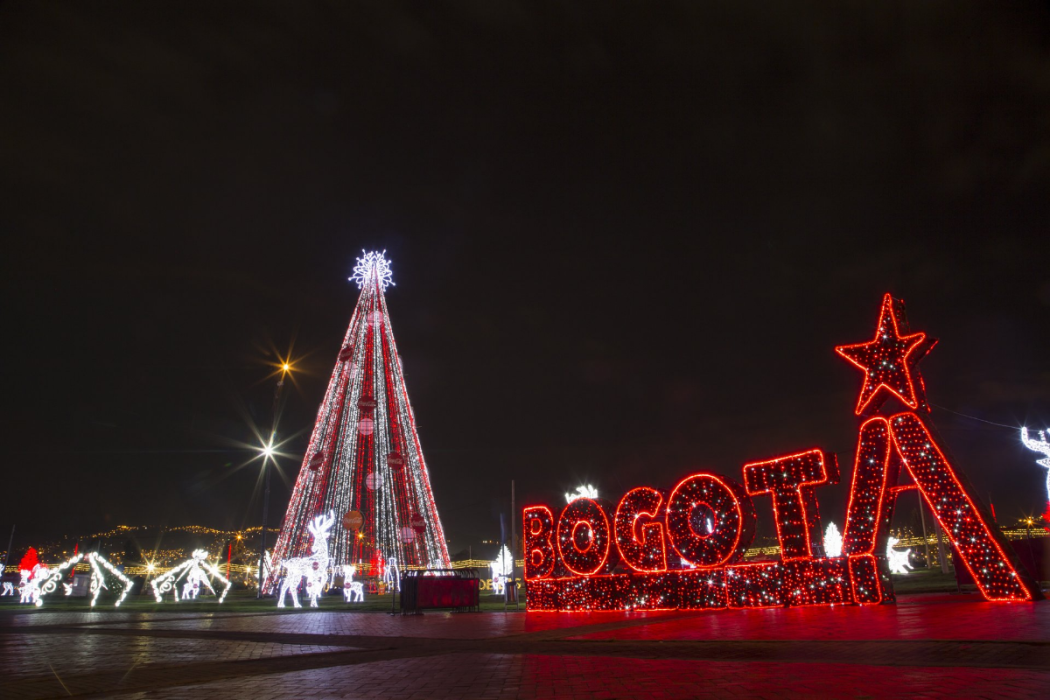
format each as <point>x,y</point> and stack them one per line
<point>709,520</point>
<point>890,360</point>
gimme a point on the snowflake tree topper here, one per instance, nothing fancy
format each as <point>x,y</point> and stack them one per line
<point>372,263</point>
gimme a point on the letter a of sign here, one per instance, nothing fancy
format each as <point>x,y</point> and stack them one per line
<point>885,445</point>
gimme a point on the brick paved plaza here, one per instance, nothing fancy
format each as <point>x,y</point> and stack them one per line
<point>926,646</point>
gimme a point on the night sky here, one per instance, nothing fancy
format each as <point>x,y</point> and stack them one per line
<point>625,239</point>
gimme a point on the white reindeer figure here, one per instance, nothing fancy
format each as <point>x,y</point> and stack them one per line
<point>353,591</point>
<point>312,568</point>
<point>1042,446</point>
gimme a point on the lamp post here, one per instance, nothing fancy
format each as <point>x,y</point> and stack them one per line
<point>267,454</point>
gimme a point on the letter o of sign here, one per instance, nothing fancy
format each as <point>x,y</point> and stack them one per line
<point>584,537</point>
<point>710,520</point>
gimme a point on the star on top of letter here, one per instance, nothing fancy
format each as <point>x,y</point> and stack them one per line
<point>890,360</point>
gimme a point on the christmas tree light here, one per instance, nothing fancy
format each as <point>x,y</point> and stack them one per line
<point>364,453</point>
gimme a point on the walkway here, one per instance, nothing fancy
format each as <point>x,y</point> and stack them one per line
<point>926,646</point>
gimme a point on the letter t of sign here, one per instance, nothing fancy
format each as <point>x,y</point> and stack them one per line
<point>791,480</point>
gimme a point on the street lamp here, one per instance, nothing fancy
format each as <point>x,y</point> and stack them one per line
<point>267,452</point>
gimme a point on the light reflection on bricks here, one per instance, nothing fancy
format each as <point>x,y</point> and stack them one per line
<point>581,678</point>
<point>936,646</point>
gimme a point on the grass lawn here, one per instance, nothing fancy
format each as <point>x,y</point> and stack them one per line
<point>243,601</point>
<point>236,602</point>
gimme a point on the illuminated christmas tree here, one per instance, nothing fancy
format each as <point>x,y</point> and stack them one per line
<point>364,460</point>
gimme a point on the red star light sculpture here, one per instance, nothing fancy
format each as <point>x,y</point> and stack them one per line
<point>890,360</point>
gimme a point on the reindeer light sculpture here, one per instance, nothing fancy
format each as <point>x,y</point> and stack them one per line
<point>313,568</point>
<point>353,591</point>
<point>197,571</point>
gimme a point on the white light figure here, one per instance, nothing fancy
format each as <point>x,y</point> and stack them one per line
<point>391,576</point>
<point>313,568</point>
<point>832,542</point>
<point>581,492</point>
<point>31,586</point>
<point>372,263</point>
<point>9,589</point>
<point>197,570</point>
<point>501,570</point>
<point>98,583</point>
<point>898,561</point>
<point>1042,446</point>
<point>101,571</point>
<point>98,578</point>
<point>353,591</point>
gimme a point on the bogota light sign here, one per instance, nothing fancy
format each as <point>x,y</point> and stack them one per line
<point>682,550</point>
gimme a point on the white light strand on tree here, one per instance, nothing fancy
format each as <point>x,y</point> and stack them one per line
<point>585,491</point>
<point>832,541</point>
<point>196,570</point>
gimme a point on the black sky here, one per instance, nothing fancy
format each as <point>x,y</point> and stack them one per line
<point>625,237</point>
